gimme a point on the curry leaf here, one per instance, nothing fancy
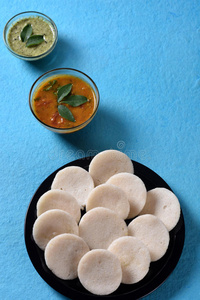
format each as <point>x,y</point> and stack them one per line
<point>56,91</point>
<point>26,32</point>
<point>47,88</point>
<point>50,85</point>
<point>53,82</point>
<point>37,99</point>
<point>64,91</point>
<point>75,100</point>
<point>34,40</point>
<point>66,113</point>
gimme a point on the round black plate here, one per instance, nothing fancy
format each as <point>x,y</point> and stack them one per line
<point>73,289</point>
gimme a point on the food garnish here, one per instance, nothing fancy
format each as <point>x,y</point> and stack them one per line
<point>65,113</point>
<point>63,94</point>
<point>31,40</point>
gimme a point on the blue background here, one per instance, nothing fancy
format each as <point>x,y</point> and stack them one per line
<point>144,57</point>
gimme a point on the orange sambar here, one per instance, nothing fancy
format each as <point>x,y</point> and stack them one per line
<point>45,104</point>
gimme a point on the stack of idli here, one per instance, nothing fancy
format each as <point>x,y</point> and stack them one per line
<point>100,248</point>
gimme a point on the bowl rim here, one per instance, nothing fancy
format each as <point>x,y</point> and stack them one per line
<point>33,13</point>
<point>71,129</point>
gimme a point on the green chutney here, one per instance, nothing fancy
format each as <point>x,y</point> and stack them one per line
<point>40,27</point>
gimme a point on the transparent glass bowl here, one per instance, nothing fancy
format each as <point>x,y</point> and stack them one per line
<point>28,14</point>
<point>64,71</point>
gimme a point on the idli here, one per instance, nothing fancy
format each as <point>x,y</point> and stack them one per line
<point>107,163</point>
<point>152,232</point>
<point>75,180</point>
<point>163,204</point>
<point>58,199</point>
<point>100,272</point>
<point>100,226</point>
<point>134,257</point>
<point>109,196</point>
<point>63,253</point>
<point>52,223</point>
<point>135,191</point>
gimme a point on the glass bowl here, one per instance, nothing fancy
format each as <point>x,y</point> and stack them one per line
<point>64,71</point>
<point>23,16</point>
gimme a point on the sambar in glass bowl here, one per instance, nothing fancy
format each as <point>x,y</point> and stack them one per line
<point>64,100</point>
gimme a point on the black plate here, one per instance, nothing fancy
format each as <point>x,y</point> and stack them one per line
<point>158,272</point>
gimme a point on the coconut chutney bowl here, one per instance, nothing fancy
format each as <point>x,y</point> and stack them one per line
<point>64,100</point>
<point>30,35</point>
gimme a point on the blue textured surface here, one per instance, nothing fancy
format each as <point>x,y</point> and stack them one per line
<point>144,57</point>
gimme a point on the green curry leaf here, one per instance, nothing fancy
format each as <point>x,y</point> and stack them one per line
<point>75,100</point>
<point>64,91</point>
<point>34,40</point>
<point>66,113</point>
<point>26,32</point>
<point>50,85</point>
